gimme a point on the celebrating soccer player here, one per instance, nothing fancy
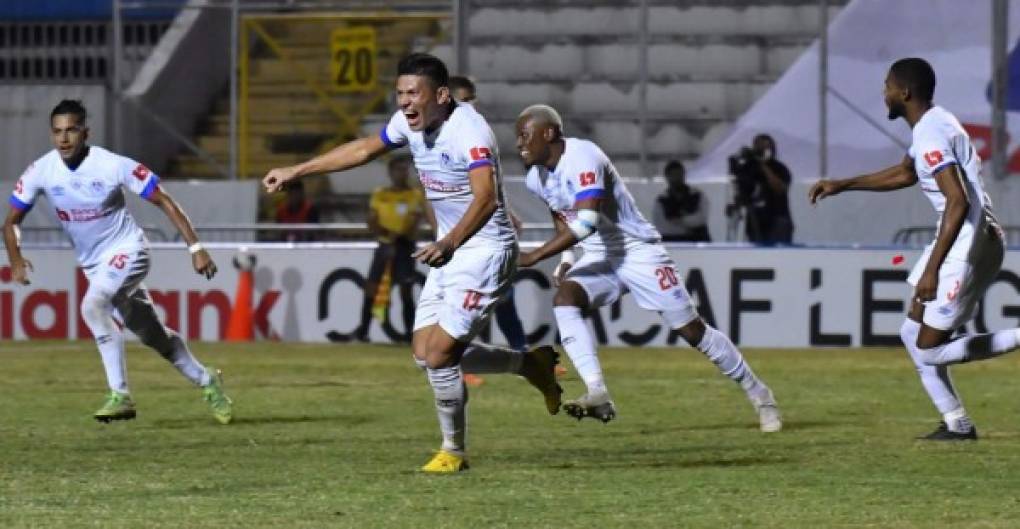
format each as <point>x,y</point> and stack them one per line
<point>85,184</point>
<point>591,207</point>
<point>957,268</point>
<point>475,253</point>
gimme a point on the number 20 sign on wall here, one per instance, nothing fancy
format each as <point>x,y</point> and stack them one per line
<point>353,59</point>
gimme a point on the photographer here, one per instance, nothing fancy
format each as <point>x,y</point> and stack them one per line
<point>762,183</point>
<point>681,213</point>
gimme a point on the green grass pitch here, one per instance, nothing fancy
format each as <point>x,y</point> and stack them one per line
<point>331,436</point>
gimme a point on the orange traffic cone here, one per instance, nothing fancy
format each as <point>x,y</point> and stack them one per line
<point>241,327</point>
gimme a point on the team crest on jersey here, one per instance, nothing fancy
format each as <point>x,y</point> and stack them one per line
<point>97,187</point>
<point>445,161</point>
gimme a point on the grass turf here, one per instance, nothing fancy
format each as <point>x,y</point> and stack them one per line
<point>331,436</point>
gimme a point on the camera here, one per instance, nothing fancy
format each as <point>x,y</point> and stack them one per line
<point>746,174</point>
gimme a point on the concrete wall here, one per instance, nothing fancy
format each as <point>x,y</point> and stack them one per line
<point>179,82</point>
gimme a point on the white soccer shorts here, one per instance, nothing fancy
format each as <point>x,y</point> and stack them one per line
<point>962,283</point>
<point>647,271</point>
<point>119,272</point>
<point>461,295</point>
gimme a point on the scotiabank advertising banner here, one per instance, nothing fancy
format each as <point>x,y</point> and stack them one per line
<point>761,297</point>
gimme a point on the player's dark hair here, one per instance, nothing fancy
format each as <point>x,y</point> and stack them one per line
<point>917,75</point>
<point>459,81</point>
<point>397,160</point>
<point>425,65</point>
<point>673,165</point>
<point>70,106</point>
<point>768,138</point>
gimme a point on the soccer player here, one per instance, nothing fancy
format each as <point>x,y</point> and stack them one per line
<point>474,255</point>
<point>957,268</point>
<point>85,184</point>
<point>591,207</point>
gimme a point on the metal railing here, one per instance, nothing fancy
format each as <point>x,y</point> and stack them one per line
<point>55,235</point>
<point>922,235</point>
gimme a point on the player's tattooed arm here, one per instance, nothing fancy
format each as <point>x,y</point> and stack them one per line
<point>950,183</point>
<point>889,179</point>
<point>200,258</point>
<point>479,211</point>
<point>340,158</point>
<point>20,267</point>
<point>563,240</point>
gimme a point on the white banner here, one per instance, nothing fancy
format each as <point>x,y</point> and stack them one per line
<point>761,297</point>
<point>864,40</point>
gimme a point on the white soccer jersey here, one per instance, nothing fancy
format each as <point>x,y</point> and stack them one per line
<point>584,171</point>
<point>89,200</point>
<point>938,142</point>
<point>443,159</point>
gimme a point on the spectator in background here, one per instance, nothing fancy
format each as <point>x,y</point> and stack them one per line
<point>394,214</point>
<point>297,209</point>
<point>462,89</point>
<point>770,207</point>
<point>681,213</point>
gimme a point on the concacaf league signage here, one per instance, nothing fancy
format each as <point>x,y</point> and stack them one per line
<point>761,297</point>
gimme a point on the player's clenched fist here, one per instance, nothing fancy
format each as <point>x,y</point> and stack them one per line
<point>436,254</point>
<point>203,264</point>
<point>20,270</point>
<point>276,178</point>
<point>824,188</point>
<point>560,272</point>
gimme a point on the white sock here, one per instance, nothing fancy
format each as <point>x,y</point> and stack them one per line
<point>186,363</point>
<point>97,311</point>
<point>111,349</point>
<point>958,421</point>
<point>451,401</point>
<point>720,350</point>
<point>972,347</point>
<point>481,358</point>
<point>935,379</point>
<point>580,347</point>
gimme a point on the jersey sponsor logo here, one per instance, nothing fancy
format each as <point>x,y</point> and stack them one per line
<point>82,214</point>
<point>431,183</point>
<point>587,178</point>
<point>141,172</point>
<point>480,153</point>
<point>933,158</point>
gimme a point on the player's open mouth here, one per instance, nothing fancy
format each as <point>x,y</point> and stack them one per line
<point>412,117</point>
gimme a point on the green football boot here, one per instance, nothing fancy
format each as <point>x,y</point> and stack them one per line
<point>118,407</point>
<point>219,402</point>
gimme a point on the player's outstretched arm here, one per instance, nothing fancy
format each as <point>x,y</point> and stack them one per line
<point>889,179</point>
<point>20,267</point>
<point>479,211</point>
<point>341,158</point>
<point>577,230</point>
<point>200,258</point>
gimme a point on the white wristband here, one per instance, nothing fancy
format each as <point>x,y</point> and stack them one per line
<point>567,257</point>
<point>195,248</point>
